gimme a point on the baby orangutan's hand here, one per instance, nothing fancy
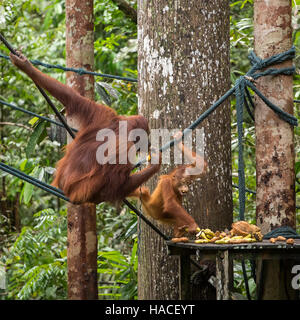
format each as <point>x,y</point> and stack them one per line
<point>178,137</point>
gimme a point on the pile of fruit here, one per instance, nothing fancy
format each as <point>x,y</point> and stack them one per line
<point>241,232</point>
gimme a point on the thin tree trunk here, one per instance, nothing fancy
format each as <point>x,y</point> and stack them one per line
<point>183,68</point>
<point>16,212</point>
<point>82,237</point>
<point>275,199</point>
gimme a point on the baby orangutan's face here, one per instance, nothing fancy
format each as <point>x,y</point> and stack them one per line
<point>183,189</point>
<point>180,183</point>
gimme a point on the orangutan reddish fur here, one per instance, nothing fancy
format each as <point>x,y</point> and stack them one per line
<point>78,173</point>
<point>165,203</point>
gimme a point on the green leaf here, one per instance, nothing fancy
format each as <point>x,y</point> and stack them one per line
<point>34,138</point>
<point>134,251</point>
<point>28,191</point>
<point>297,167</point>
<point>2,18</point>
<point>63,253</point>
<point>47,20</point>
<point>23,165</point>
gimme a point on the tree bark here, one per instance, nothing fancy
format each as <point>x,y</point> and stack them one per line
<point>183,68</point>
<point>275,175</point>
<point>82,237</point>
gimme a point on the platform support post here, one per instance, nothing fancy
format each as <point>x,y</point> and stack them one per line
<point>184,277</point>
<point>224,275</point>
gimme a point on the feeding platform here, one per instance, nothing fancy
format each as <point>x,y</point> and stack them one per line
<point>223,255</point>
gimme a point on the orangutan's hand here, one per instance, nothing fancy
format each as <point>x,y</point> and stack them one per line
<point>20,61</point>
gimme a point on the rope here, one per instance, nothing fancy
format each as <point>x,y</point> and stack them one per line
<point>193,126</point>
<point>52,106</point>
<point>241,88</point>
<point>246,189</point>
<point>240,94</point>
<point>14,107</point>
<point>79,71</point>
<point>246,279</point>
<point>134,209</point>
<point>248,108</point>
<point>285,231</point>
<point>21,175</point>
<point>59,193</point>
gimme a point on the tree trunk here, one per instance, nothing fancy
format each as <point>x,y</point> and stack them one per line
<point>275,199</point>
<point>82,237</point>
<point>183,68</point>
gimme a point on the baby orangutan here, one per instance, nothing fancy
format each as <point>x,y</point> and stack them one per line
<point>165,203</point>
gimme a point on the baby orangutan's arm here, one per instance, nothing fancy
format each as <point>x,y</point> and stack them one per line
<point>198,165</point>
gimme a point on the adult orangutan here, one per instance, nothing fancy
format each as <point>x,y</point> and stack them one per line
<point>81,177</point>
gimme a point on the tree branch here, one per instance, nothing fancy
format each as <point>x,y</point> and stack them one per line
<point>16,125</point>
<point>126,9</point>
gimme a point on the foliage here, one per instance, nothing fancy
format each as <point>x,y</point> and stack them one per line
<point>36,262</point>
<point>113,265</point>
<point>117,258</point>
<point>115,40</point>
<point>239,283</point>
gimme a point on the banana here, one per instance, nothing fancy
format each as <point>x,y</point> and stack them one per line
<point>205,237</point>
<point>205,234</point>
<point>201,241</point>
<point>202,235</point>
<point>208,232</point>
<point>236,238</point>
<point>243,240</point>
<point>199,234</point>
<point>208,236</point>
<point>223,240</point>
